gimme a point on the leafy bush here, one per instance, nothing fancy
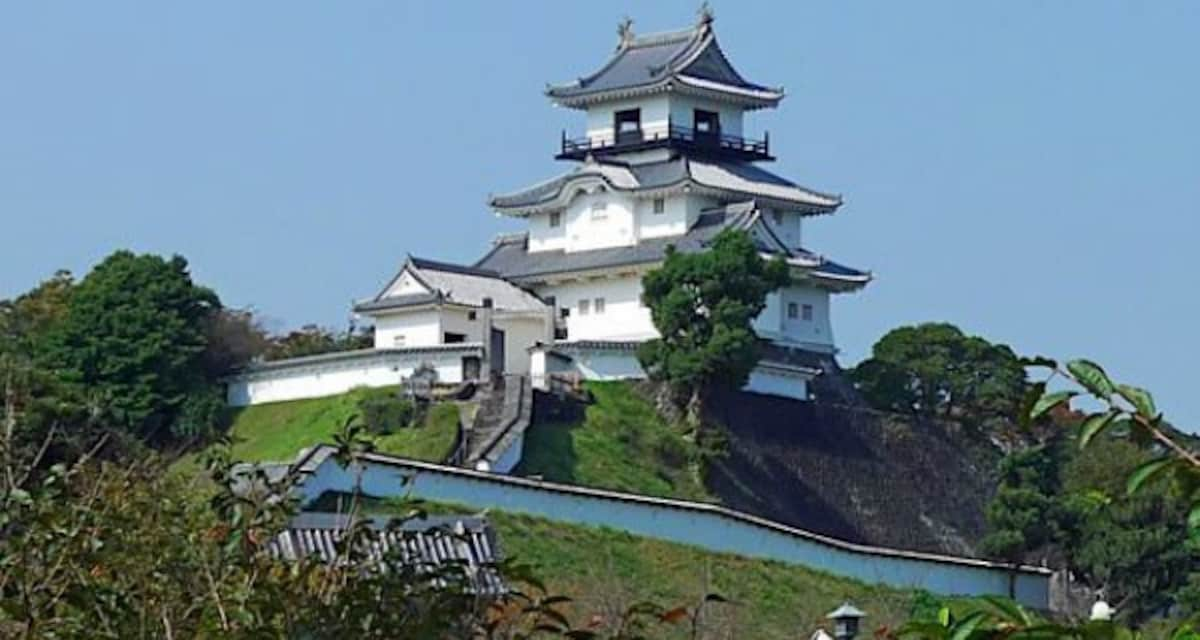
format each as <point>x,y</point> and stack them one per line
<point>383,411</point>
<point>671,450</point>
<point>203,414</point>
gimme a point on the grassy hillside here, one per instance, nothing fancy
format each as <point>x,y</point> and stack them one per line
<point>604,571</point>
<point>278,430</point>
<point>620,443</point>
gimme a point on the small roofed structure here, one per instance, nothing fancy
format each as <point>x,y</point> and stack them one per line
<point>431,544</point>
<point>430,304</point>
<point>688,62</point>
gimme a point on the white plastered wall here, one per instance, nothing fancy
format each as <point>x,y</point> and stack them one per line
<point>775,324</point>
<point>655,110</point>
<point>624,316</point>
<point>455,320</point>
<point>419,327</point>
<point>679,214</point>
<point>682,110</point>
<point>773,382</point>
<point>520,333</point>
<point>337,377</point>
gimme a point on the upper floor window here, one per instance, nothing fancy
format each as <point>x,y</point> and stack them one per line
<point>471,315</point>
<point>599,210</point>
<point>598,306</point>
<point>627,126</point>
<point>806,312</point>
<point>707,124</point>
<point>584,306</point>
<point>777,216</point>
<point>793,311</point>
<point>555,218</point>
<point>660,205</point>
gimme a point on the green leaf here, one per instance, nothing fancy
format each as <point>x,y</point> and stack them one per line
<point>964,629</point>
<point>1093,425</point>
<point>944,616</point>
<point>1193,519</point>
<point>1048,401</point>
<point>1146,472</point>
<point>1139,398</point>
<point>1092,377</point>
<point>1032,395</point>
<point>1009,610</point>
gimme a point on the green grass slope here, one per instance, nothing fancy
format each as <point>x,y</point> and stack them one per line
<point>278,430</point>
<point>621,444</point>
<point>605,571</point>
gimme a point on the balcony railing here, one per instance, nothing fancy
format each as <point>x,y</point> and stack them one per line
<point>671,136</point>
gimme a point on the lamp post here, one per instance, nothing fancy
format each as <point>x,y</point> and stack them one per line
<point>845,621</point>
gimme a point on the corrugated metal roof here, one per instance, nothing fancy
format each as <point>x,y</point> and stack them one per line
<point>427,543</point>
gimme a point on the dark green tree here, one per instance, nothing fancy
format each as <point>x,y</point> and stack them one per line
<point>1022,515</point>
<point>934,369</point>
<point>133,337</point>
<point>703,305</point>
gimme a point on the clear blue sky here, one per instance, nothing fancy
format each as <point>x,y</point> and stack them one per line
<point>1027,170</point>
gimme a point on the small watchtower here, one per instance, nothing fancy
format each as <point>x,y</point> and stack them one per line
<point>662,92</point>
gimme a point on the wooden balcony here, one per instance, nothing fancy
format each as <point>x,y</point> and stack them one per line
<point>711,144</point>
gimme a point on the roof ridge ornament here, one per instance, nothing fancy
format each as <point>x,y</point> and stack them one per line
<point>704,15</point>
<point>624,33</point>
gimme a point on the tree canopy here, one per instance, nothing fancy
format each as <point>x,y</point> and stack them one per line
<point>934,369</point>
<point>134,335</point>
<point>703,305</point>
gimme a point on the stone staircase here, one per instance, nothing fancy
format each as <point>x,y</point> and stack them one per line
<point>503,415</point>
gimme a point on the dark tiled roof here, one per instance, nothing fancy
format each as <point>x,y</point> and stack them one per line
<point>741,178</point>
<point>399,302</point>
<point>654,61</point>
<point>775,353</point>
<point>446,541</point>
<point>512,259</point>
<point>436,265</point>
<point>452,284</point>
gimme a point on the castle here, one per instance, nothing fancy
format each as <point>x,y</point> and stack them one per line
<point>664,161</point>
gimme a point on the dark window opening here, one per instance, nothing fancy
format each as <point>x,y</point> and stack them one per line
<point>707,125</point>
<point>453,338</point>
<point>471,315</point>
<point>628,126</point>
<point>660,205</point>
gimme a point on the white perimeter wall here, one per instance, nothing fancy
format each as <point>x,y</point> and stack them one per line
<point>706,526</point>
<point>333,377</point>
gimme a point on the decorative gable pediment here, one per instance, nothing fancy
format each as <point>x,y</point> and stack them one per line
<point>711,64</point>
<point>406,283</point>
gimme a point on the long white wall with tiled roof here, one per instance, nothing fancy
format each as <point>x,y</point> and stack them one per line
<point>707,526</point>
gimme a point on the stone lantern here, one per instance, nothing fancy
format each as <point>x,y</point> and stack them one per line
<point>845,621</point>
